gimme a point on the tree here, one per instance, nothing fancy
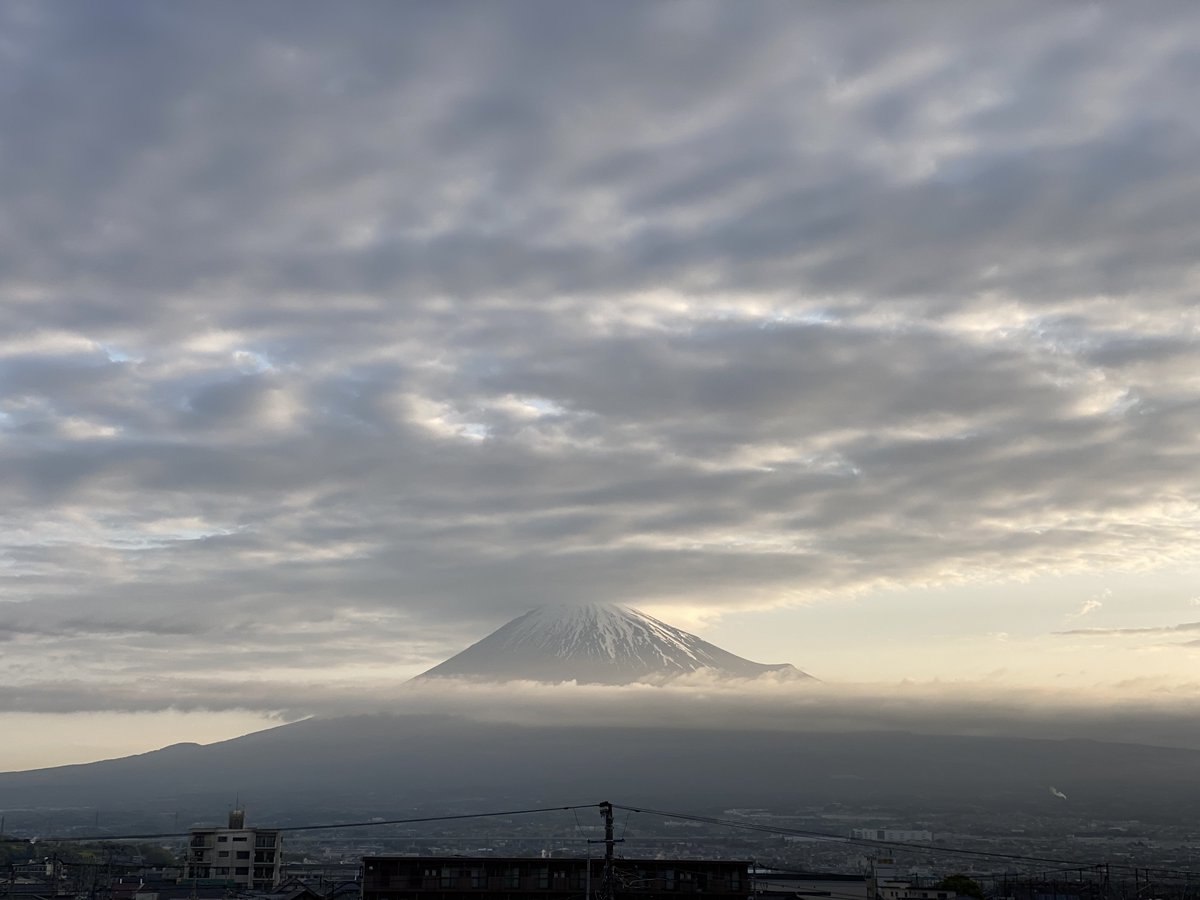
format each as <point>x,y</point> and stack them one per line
<point>961,885</point>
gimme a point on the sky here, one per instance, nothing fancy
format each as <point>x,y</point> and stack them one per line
<point>333,336</point>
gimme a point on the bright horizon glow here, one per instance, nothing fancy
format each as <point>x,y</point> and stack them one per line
<point>63,739</point>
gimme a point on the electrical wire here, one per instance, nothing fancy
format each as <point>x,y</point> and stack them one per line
<point>1067,865</point>
<point>294,828</point>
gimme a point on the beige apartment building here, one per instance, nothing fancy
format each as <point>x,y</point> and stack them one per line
<point>251,858</point>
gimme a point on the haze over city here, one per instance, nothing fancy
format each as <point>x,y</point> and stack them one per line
<point>856,337</point>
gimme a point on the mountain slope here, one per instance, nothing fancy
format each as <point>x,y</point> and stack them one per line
<point>595,644</point>
<point>367,763</point>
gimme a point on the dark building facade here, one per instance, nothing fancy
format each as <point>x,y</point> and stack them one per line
<point>515,878</point>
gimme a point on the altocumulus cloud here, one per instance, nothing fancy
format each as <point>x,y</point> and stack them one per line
<point>324,331</point>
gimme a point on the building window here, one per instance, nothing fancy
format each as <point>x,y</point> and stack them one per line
<point>222,839</point>
<point>242,870</point>
<point>222,853</point>
<point>240,840</point>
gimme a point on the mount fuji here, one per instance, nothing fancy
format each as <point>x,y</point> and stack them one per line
<point>451,758</point>
<point>596,644</point>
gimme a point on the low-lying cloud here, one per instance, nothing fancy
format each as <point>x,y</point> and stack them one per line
<point>1134,713</point>
<point>1183,627</point>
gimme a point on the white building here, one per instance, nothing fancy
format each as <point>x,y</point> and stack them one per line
<point>901,835</point>
<point>886,882</point>
<point>249,857</point>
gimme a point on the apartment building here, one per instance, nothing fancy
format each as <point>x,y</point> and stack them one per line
<point>249,858</point>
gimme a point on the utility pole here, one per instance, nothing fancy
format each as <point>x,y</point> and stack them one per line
<point>608,884</point>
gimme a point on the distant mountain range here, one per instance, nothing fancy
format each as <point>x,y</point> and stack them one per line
<point>376,765</point>
<point>386,763</point>
<point>596,643</point>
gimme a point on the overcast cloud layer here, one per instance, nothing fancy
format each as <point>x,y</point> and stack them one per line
<point>332,336</point>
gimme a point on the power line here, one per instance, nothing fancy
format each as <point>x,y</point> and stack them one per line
<point>291,828</point>
<point>1066,864</point>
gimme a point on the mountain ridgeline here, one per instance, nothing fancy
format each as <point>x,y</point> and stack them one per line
<point>585,745</point>
<point>384,764</point>
<point>596,644</point>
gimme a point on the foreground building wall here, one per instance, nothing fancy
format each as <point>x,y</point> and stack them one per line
<point>460,878</point>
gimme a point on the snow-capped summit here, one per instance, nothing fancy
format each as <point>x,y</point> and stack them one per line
<point>595,643</point>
